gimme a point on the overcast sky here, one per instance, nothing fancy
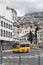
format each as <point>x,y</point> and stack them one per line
<point>24,6</point>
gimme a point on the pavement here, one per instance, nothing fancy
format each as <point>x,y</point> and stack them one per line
<point>26,58</point>
<point>7,50</point>
<point>11,57</point>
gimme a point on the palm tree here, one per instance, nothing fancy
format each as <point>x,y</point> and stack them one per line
<point>37,28</point>
<point>30,37</point>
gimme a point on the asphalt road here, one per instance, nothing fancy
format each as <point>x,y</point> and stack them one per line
<point>31,58</point>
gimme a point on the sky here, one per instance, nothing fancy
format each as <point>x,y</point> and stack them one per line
<point>24,6</point>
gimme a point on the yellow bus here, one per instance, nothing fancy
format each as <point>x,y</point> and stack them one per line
<point>21,47</point>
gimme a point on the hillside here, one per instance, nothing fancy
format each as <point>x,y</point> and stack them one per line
<point>34,13</point>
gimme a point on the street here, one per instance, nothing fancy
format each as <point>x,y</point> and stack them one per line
<point>31,58</point>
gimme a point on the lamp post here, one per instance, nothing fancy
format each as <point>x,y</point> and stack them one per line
<point>20,59</point>
<point>38,57</point>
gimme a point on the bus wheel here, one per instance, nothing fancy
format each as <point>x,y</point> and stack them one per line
<point>22,51</point>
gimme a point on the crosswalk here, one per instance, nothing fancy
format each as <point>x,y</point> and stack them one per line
<point>12,57</point>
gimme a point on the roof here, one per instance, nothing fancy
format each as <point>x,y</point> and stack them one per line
<point>5,19</point>
<point>11,9</point>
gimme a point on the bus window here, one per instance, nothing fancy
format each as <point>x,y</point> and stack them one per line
<point>24,45</point>
<point>27,45</point>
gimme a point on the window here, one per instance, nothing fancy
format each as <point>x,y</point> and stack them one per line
<point>38,35</point>
<point>11,35</point>
<point>4,33</point>
<point>1,23</point>
<point>4,24</point>
<point>1,32</point>
<point>7,34</point>
<point>9,26</point>
<point>16,45</point>
<point>27,31</point>
<point>24,45</point>
<point>38,32</point>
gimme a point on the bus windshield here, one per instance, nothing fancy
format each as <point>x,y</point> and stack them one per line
<point>20,45</point>
<point>16,46</point>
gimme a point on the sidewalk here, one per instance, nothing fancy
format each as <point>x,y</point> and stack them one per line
<point>7,50</point>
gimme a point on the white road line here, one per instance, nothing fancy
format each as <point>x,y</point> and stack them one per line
<point>12,57</point>
<point>4,57</point>
<point>16,56</point>
<point>25,64</point>
<point>23,56</point>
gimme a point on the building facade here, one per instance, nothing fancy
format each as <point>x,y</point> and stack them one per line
<point>7,18</point>
<point>5,31</point>
<point>40,36</point>
<point>7,12</point>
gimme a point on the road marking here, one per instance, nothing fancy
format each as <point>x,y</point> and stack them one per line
<point>12,57</point>
<point>9,64</point>
<point>24,64</point>
<point>12,64</point>
<point>5,57</point>
<point>16,56</point>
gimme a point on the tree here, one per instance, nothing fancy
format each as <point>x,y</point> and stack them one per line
<point>37,28</point>
<point>30,37</point>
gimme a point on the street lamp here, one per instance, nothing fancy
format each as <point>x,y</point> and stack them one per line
<point>38,57</point>
<point>20,59</point>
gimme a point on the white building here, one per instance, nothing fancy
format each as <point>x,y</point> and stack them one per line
<point>7,12</point>
<point>15,31</point>
<point>5,32</point>
<point>7,18</point>
<point>40,36</point>
<point>6,29</point>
